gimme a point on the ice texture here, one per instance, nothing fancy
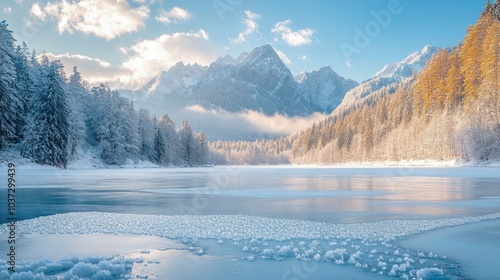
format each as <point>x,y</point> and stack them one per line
<point>98,268</point>
<point>235,227</point>
<point>367,246</point>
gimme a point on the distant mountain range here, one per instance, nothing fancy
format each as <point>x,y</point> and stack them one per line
<point>258,81</point>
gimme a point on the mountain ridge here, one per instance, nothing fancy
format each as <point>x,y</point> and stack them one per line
<point>386,80</point>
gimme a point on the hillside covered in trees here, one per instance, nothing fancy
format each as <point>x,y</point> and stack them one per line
<point>450,110</point>
<point>54,120</point>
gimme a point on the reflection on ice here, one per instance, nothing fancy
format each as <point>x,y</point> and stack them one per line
<point>319,194</point>
<point>270,193</point>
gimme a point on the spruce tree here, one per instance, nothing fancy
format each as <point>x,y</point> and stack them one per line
<point>77,132</point>
<point>159,155</point>
<point>129,126</point>
<point>146,133</point>
<point>202,157</point>
<point>51,114</point>
<point>187,145</point>
<point>25,87</point>
<point>167,126</point>
<point>9,103</point>
<point>111,137</point>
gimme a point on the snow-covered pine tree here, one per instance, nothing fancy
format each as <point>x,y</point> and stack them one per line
<point>146,133</point>
<point>159,153</point>
<point>9,103</point>
<point>110,132</point>
<point>94,110</point>
<point>38,77</point>
<point>202,148</point>
<point>50,118</point>
<point>77,131</point>
<point>129,126</point>
<point>187,143</point>
<point>167,126</point>
<point>25,87</point>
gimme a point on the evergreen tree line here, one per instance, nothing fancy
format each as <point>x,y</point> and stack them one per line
<point>449,111</point>
<point>53,120</point>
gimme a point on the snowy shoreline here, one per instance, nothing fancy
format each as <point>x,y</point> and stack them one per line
<point>91,163</point>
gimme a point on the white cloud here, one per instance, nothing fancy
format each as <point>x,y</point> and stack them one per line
<point>104,18</point>
<point>283,57</point>
<point>303,57</point>
<point>92,69</point>
<point>7,10</point>
<point>36,10</point>
<point>173,16</point>
<point>198,109</point>
<point>256,121</point>
<point>78,57</point>
<point>150,2</point>
<point>293,38</point>
<point>251,27</point>
<point>145,59</point>
<point>123,50</point>
<point>152,56</point>
<point>280,124</point>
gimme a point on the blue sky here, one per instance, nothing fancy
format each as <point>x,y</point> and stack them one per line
<point>132,40</point>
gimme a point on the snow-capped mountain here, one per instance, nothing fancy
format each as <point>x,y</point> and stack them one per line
<point>386,81</point>
<point>257,81</point>
<point>180,77</point>
<point>325,86</point>
<point>411,64</point>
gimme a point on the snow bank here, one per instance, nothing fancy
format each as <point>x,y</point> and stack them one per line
<point>409,163</point>
<point>101,268</point>
<point>84,162</point>
<point>234,227</point>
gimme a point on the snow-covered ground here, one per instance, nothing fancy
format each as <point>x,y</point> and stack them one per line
<point>85,160</point>
<point>89,159</point>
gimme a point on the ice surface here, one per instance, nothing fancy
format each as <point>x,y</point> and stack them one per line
<point>369,247</point>
<point>475,246</point>
<point>253,247</point>
<point>271,193</point>
<point>234,227</point>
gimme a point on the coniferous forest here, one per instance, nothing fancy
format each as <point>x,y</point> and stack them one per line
<point>53,120</point>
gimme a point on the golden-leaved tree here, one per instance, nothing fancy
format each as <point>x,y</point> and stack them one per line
<point>470,55</point>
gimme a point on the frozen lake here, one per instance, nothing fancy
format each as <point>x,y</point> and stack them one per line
<point>340,195</point>
<point>326,210</point>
